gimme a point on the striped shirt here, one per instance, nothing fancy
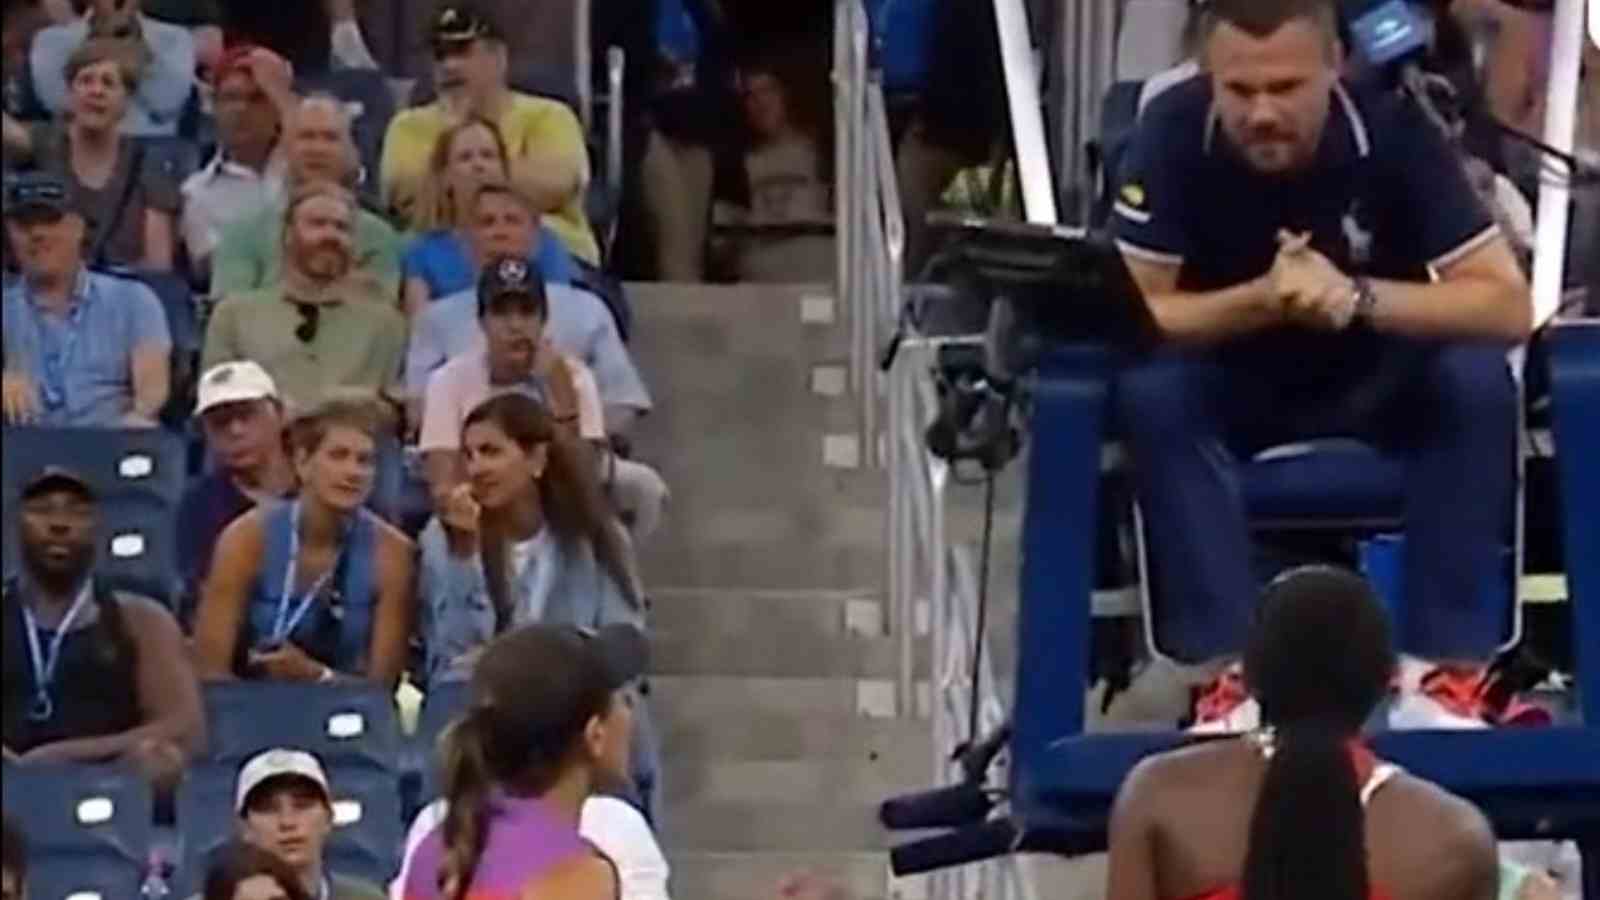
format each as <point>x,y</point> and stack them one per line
<point>81,365</point>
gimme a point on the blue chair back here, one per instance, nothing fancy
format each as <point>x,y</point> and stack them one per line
<point>343,724</point>
<point>87,812</point>
<point>442,704</point>
<point>80,876</point>
<point>902,34</point>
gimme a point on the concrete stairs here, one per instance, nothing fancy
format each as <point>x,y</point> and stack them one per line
<point>774,669</point>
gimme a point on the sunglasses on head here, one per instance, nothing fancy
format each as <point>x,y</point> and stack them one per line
<point>310,319</point>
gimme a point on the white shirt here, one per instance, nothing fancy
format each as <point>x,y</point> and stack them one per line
<point>223,193</point>
<point>616,828</point>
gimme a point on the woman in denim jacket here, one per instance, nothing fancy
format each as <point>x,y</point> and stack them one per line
<point>528,538</point>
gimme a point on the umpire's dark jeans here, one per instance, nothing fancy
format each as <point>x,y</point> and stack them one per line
<point>1447,410</point>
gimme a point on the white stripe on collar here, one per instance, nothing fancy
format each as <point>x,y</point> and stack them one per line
<point>1358,125</point>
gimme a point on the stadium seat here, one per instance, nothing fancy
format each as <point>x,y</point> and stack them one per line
<point>442,704</point>
<point>903,34</point>
<point>139,474</point>
<point>74,876</point>
<point>343,724</point>
<point>367,823</point>
<point>80,808</point>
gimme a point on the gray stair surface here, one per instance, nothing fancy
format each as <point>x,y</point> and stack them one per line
<point>774,669</point>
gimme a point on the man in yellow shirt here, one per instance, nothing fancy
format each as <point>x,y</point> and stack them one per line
<point>543,139</point>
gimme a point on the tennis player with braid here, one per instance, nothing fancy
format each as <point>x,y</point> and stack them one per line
<point>548,724</point>
<point>1300,810</point>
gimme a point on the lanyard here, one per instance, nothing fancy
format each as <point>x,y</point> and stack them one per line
<point>285,622</point>
<point>54,360</point>
<point>44,663</point>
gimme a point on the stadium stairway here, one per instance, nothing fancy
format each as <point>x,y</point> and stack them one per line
<point>773,667</point>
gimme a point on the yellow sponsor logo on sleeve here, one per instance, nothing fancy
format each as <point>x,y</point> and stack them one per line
<point>1133,195</point>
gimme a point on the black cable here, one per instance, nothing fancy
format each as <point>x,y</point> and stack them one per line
<point>983,602</point>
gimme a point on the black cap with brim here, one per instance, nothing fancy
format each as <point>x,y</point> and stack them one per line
<point>53,479</point>
<point>461,23</point>
<point>36,196</point>
<point>509,278</point>
<point>623,652</point>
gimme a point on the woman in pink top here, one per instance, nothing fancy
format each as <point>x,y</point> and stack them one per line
<point>549,720</point>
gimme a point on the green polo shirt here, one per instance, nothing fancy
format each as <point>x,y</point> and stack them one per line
<point>250,254</point>
<point>358,343</point>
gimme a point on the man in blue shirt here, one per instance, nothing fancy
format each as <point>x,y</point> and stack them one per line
<point>1318,266</point>
<point>167,82</point>
<point>82,349</point>
<point>579,322</point>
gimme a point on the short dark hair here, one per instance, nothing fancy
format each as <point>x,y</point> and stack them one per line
<point>14,851</point>
<point>1260,18</point>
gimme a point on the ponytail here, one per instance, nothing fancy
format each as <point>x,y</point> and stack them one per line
<point>467,785</point>
<point>1307,833</point>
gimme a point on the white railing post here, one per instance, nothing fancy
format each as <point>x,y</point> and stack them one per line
<point>1560,130</point>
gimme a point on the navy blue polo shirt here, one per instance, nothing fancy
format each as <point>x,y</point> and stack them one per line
<point>1386,196</point>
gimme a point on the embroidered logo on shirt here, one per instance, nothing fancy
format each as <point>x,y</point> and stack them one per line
<point>1130,203</point>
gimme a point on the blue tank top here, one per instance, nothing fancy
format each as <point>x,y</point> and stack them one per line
<point>334,624</point>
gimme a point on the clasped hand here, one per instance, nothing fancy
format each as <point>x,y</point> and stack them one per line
<point>1312,290</point>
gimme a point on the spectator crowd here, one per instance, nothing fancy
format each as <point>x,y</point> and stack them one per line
<point>397,349</point>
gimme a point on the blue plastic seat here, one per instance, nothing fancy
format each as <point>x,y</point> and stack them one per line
<point>343,724</point>
<point>441,706</point>
<point>1334,484</point>
<point>94,818</point>
<point>83,876</point>
<point>367,822</point>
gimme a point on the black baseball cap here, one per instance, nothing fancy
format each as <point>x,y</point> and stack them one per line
<point>37,196</point>
<point>52,479</point>
<point>462,23</point>
<point>511,277</point>
<point>535,686</point>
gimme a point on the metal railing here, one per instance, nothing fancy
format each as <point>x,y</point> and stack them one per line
<point>932,587</point>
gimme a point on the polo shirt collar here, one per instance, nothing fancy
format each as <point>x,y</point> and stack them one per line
<point>1344,136</point>
<point>82,290</point>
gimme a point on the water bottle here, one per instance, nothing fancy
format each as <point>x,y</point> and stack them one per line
<point>155,885</point>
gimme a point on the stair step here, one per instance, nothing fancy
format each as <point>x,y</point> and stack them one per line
<point>698,698</point>
<point>756,876</point>
<point>766,827</point>
<point>673,557</point>
<point>739,610</point>
<point>760,735</point>
<point>776,654</point>
<point>799,781</point>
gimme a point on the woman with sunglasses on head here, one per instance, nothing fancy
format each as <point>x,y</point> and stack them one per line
<point>246,872</point>
<point>548,725</point>
<point>526,539</point>
<point>316,588</point>
<point>439,262</point>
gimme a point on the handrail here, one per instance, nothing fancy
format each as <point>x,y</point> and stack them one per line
<point>931,589</point>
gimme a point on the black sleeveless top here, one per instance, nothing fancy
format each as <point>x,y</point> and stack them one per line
<point>95,689</point>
